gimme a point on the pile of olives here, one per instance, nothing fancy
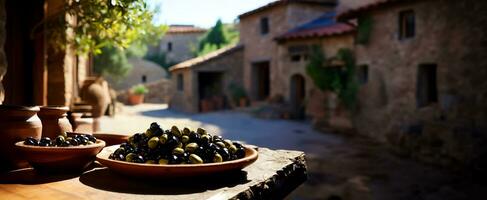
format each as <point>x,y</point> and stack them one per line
<point>175,146</point>
<point>62,141</point>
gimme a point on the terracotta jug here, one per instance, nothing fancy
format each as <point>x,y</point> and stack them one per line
<point>16,124</point>
<point>54,121</point>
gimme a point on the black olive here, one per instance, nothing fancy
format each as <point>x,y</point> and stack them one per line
<point>240,153</point>
<point>194,137</point>
<point>154,126</point>
<point>65,143</point>
<point>158,132</point>
<point>172,142</point>
<point>83,139</point>
<point>173,159</point>
<point>224,153</point>
<point>138,159</point>
<point>75,142</point>
<point>45,141</point>
<point>120,157</point>
<point>91,138</point>
<point>31,141</point>
<point>217,138</point>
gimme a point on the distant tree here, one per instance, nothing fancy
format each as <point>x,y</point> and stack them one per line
<point>112,62</point>
<point>217,37</point>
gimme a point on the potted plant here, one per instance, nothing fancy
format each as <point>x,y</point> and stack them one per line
<point>239,95</point>
<point>136,94</point>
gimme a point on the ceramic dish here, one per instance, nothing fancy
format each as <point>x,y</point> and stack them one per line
<point>57,159</point>
<point>111,139</point>
<point>181,170</point>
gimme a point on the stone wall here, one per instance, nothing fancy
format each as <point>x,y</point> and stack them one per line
<point>3,59</point>
<point>140,67</point>
<point>159,92</point>
<point>182,45</point>
<point>452,36</point>
<point>260,47</point>
<point>230,63</point>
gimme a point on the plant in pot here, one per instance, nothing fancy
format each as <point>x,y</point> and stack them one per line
<point>136,94</point>
<point>239,95</point>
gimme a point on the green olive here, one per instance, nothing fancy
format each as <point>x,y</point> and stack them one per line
<point>130,157</point>
<point>186,131</point>
<point>175,131</point>
<point>64,134</point>
<point>206,138</point>
<point>185,139</point>
<point>228,143</point>
<point>217,158</point>
<point>150,162</point>
<point>191,147</point>
<point>232,148</point>
<point>221,144</point>
<point>179,145</point>
<point>201,131</point>
<point>153,142</point>
<point>148,133</point>
<point>195,159</point>
<point>90,143</point>
<point>163,138</point>
<point>163,161</point>
<point>178,151</point>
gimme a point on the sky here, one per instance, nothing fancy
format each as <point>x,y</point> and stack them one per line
<point>202,13</point>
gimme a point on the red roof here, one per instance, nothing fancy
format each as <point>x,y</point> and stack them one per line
<point>354,12</point>
<point>337,29</point>
<point>283,2</point>
<point>185,29</point>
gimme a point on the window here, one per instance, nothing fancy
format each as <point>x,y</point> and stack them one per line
<point>298,52</point>
<point>144,79</point>
<point>169,46</point>
<point>363,74</point>
<point>180,82</point>
<point>264,25</point>
<point>426,89</point>
<point>407,24</point>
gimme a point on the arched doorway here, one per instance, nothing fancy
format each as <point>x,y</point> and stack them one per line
<point>297,95</point>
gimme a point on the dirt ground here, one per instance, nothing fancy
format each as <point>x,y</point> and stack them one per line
<point>338,167</point>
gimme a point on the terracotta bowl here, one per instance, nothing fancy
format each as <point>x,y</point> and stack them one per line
<point>111,139</point>
<point>60,159</point>
<point>140,170</point>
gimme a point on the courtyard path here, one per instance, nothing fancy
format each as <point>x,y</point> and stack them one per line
<point>339,167</point>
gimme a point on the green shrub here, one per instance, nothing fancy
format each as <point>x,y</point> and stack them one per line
<point>140,89</point>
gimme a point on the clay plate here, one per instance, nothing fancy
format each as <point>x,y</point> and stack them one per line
<point>140,170</point>
<point>59,159</point>
<point>111,139</point>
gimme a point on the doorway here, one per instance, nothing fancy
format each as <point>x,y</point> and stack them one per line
<point>210,91</point>
<point>261,80</point>
<point>24,81</point>
<point>297,95</point>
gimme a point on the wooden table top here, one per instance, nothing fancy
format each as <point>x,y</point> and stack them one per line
<point>275,174</point>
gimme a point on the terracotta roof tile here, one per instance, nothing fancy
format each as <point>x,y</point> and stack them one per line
<point>323,26</point>
<point>202,59</point>
<point>185,29</point>
<point>283,2</point>
<point>354,12</point>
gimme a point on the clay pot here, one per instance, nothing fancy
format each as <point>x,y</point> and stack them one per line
<point>243,102</point>
<point>135,99</point>
<point>54,121</point>
<point>207,105</point>
<point>16,124</point>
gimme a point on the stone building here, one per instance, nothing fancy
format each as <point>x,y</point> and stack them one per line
<point>294,49</point>
<point>423,67</point>
<point>206,77</point>
<point>31,72</point>
<point>259,28</point>
<point>142,72</point>
<point>179,42</point>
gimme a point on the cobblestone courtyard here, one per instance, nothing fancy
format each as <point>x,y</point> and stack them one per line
<point>339,167</point>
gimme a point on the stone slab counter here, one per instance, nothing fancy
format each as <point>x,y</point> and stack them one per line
<point>274,175</point>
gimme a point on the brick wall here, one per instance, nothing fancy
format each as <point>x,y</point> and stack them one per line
<point>452,36</point>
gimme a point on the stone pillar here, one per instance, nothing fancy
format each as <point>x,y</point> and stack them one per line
<point>3,58</point>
